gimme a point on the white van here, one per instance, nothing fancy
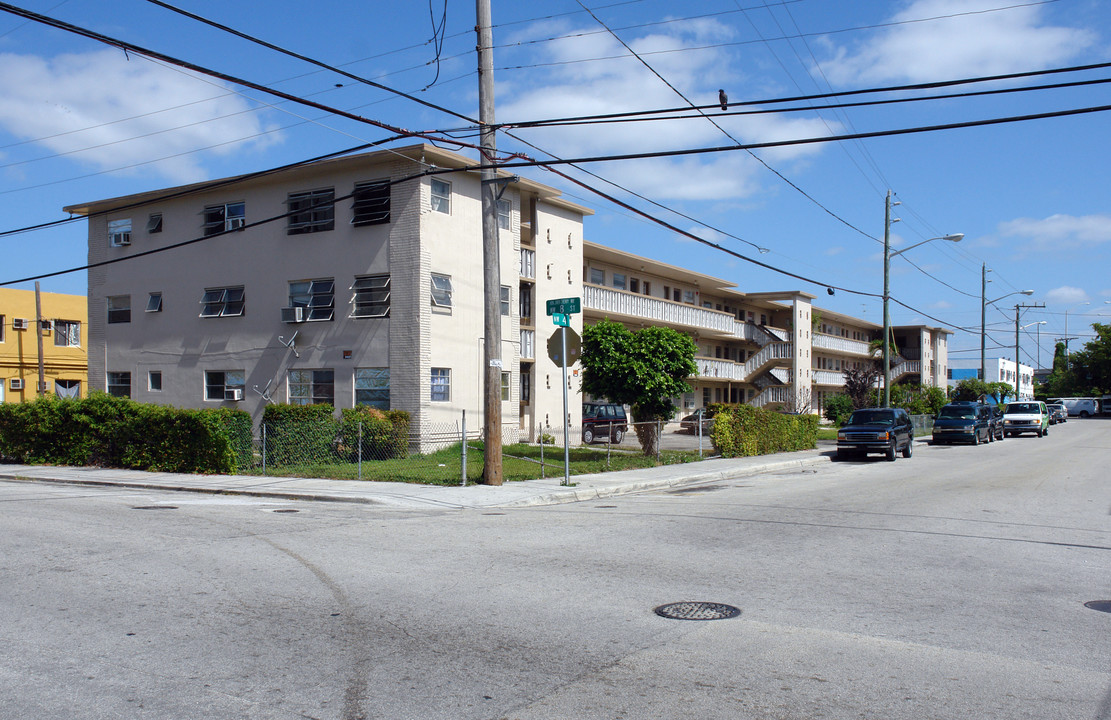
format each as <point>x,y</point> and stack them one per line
<point>1079,407</point>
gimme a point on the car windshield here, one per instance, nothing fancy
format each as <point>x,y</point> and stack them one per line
<point>963,412</point>
<point>1023,408</point>
<point>872,417</point>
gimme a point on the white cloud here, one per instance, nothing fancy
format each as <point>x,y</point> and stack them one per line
<point>990,42</point>
<point>1066,295</point>
<point>624,84</point>
<point>1059,232</point>
<point>71,102</point>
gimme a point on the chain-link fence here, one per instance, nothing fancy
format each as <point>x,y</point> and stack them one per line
<point>452,452</point>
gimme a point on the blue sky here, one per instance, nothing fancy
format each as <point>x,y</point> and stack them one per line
<point>80,121</point>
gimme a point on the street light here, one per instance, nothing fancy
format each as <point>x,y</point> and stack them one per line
<point>1067,338</point>
<point>887,255</point>
<point>1039,324</point>
<point>983,316</point>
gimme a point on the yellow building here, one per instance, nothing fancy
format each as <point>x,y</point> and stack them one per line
<point>65,355</point>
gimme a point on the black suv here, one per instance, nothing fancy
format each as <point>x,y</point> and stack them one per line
<point>604,421</point>
<point>876,430</point>
<point>966,422</point>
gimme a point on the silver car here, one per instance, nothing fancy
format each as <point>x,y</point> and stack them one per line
<point>1058,413</point>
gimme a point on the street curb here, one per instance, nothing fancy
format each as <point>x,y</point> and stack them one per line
<point>595,493</point>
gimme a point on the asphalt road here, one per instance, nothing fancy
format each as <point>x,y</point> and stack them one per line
<point>949,585</point>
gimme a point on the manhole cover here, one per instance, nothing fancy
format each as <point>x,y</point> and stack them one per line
<point>697,611</point>
<point>155,507</point>
<point>1101,605</point>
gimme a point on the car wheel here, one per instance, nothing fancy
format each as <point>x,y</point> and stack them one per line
<point>991,436</point>
<point>588,435</point>
<point>909,449</point>
<point>1083,413</point>
<point>975,438</point>
<point>618,436</point>
<point>1045,432</point>
<point>891,454</point>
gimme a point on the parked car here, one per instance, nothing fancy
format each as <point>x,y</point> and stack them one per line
<point>689,424</point>
<point>1079,407</point>
<point>604,421</point>
<point>966,422</point>
<point>876,430</point>
<point>1026,417</point>
<point>1058,413</point>
<point>996,422</point>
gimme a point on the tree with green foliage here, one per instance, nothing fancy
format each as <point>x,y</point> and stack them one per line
<point>643,369</point>
<point>837,409</point>
<point>1090,369</point>
<point>918,399</point>
<point>973,389</point>
<point>859,384</point>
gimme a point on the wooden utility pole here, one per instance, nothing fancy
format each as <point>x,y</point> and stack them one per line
<point>492,364</point>
<point>38,332</point>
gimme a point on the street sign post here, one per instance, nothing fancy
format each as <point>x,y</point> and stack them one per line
<point>561,311</point>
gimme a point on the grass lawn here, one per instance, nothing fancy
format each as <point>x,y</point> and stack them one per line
<point>519,462</point>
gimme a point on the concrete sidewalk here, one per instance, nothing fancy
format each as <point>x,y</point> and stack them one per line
<point>512,494</point>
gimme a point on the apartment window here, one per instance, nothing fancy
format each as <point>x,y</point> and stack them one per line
<point>763,319</point>
<point>441,385</point>
<point>318,297</point>
<point>67,333</point>
<point>371,296</point>
<point>505,298</point>
<point>634,285</point>
<point>526,386</point>
<point>230,216</point>
<point>506,378</point>
<point>371,203</point>
<point>372,387</point>
<point>675,294</point>
<point>154,223</point>
<point>154,302</point>
<point>441,196</point>
<point>619,281</point>
<point>524,301</point>
<point>119,232</point>
<point>647,288</point>
<point>119,384</point>
<point>119,309</point>
<point>505,208</point>
<point>688,297</point>
<point>221,384</point>
<point>312,387</point>
<point>222,302</point>
<point>67,388</point>
<point>597,277</point>
<point>441,290</point>
<point>154,381</point>
<point>313,211</point>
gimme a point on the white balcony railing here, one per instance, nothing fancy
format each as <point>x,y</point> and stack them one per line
<point>839,344</point>
<point>528,344</point>
<point>528,264</point>
<point>650,308</point>
<point>777,394</point>
<point>757,334</point>
<point>714,368</point>
<point>829,377</point>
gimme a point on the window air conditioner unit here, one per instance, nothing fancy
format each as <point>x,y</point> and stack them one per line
<point>233,394</point>
<point>236,223</point>
<point>20,323</point>
<point>16,384</point>
<point>293,314</point>
<point>47,325</point>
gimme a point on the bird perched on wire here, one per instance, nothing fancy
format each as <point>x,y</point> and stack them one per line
<point>723,99</point>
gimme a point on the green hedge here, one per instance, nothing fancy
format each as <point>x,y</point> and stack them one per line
<point>385,433</point>
<point>300,434</point>
<point>107,431</point>
<point>744,431</point>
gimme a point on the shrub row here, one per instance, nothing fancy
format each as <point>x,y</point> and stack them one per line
<point>309,434</point>
<point>743,431</point>
<point>107,431</point>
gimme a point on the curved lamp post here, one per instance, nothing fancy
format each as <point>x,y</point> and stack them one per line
<point>887,255</point>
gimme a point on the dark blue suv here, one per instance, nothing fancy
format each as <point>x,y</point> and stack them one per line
<point>876,430</point>
<point>964,422</point>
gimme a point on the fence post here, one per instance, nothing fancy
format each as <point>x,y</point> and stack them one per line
<point>464,462</point>
<point>264,449</point>
<point>360,449</point>
<point>659,437</point>
<point>699,434</point>
<point>542,452</point>
<point>609,444</point>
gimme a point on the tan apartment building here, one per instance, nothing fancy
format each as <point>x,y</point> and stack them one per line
<point>768,349</point>
<point>64,350</point>
<point>359,280</point>
<point>366,289</point>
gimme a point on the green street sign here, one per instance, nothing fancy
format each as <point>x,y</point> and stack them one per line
<point>561,319</point>
<point>564,306</point>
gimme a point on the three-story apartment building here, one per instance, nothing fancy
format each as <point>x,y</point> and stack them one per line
<point>56,324</point>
